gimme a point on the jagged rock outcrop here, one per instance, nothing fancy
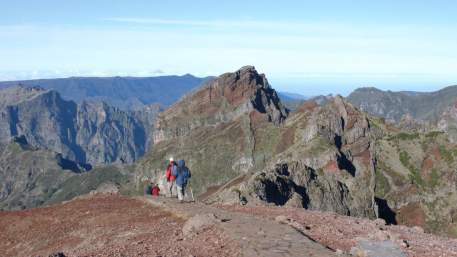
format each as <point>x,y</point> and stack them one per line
<point>107,134</point>
<point>93,133</point>
<point>323,160</point>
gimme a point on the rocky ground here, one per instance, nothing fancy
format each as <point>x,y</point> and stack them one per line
<point>356,235</point>
<point>105,225</point>
<point>113,225</point>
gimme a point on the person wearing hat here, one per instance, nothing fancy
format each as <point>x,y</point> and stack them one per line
<point>170,177</point>
<point>182,175</point>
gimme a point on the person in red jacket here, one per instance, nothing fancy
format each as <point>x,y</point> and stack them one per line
<point>155,190</point>
<point>170,178</point>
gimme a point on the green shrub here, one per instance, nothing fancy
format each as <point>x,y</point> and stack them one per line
<point>382,184</point>
<point>416,178</point>
<point>406,136</point>
<point>433,134</point>
<point>404,159</point>
<point>434,178</point>
<point>446,155</point>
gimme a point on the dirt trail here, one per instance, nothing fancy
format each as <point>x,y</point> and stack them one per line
<point>256,236</point>
<point>343,232</point>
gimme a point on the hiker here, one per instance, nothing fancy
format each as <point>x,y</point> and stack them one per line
<point>170,177</point>
<point>155,190</point>
<point>182,174</point>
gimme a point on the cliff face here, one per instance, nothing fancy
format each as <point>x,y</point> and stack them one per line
<point>109,135</point>
<point>43,118</point>
<point>89,133</point>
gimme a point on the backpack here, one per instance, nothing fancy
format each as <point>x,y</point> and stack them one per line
<point>184,172</point>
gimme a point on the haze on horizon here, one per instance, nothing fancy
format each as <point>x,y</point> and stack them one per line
<point>303,46</point>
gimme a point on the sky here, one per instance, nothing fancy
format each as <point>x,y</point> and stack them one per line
<point>306,47</point>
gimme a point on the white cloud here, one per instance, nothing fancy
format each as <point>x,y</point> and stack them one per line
<point>283,49</point>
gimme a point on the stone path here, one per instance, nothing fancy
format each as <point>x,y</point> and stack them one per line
<point>256,236</point>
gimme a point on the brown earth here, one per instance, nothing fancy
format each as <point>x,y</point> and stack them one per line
<point>105,225</point>
<point>112,225</point>
<point>287,140</point>
<point>412,215</point>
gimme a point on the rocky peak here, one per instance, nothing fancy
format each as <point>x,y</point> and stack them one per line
<point>340,119</point>
<point>247,85</point>
<point>224,99</point>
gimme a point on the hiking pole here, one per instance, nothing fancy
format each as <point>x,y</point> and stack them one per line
<point>191,192</point>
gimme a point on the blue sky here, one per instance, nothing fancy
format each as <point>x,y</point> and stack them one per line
<point>308,47</point>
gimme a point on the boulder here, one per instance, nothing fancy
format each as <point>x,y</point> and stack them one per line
<point>199,223</point>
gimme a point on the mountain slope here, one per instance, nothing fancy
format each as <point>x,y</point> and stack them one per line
<point>31,177</point>
<point>394,105</point>
<point>213,129</point>
<point>126,93</point>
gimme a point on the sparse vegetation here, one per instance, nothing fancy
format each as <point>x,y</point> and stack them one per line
<point>404,136</point>
<point>404,158</point>
<point>382,184</point>
<point>433,134</point>
<point>414,175</point>
<point>446,154</point>
<point>416,178</point>
<point>434,178</point>
<point>319,145</point>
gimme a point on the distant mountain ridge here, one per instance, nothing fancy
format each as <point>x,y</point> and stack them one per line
<point>425,106</point>
<point>126,93</point>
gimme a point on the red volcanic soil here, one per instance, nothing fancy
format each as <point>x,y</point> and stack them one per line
<point>105,225</point>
